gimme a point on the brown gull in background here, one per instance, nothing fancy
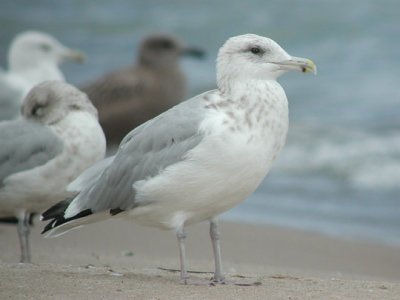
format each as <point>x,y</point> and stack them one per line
<point>128,97</point>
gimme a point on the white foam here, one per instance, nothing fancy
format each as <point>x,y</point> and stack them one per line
<point>361,159</point>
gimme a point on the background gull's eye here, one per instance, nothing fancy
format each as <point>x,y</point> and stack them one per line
<point>166,44</point>
<point>75,107</point>
<point>37,110</point>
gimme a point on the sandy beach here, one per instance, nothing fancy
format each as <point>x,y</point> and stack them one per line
<point>121,260</point>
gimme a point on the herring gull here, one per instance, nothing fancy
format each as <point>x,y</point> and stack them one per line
<point>198,159</point>
<point>128,97</point>
<point>33,57</point>
<point>57,137</point>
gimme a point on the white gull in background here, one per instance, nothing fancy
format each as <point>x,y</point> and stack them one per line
<point>198,159</point>
<point>33,57</point>
<point>57,137</point>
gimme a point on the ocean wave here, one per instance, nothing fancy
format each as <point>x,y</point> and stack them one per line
<point>366,160</point>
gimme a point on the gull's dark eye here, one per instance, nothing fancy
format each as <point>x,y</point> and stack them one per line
<point>45,47</point>
<point>37,110</point>
<point>166,44</point>
<point>255,50</point>
<point>75,107</point>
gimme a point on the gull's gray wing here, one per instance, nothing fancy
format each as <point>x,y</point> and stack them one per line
<point>25,145</point>
<point>10,99</point>
<point>143,153</point>
<point>90,175</point>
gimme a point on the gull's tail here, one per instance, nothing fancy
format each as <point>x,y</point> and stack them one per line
<point>69,214</point>
<point>56,214</point>
<point>60,224</point>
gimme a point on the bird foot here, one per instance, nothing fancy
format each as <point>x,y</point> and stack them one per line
<point>215,281</point>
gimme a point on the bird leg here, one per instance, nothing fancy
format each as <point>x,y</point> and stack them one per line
<point>218,277</point>
<point>214,234</point>
<point>23,234</point>
<point>181,235</point>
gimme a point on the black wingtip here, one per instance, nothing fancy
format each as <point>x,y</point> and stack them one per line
<point>9,220</point>
<point>59,220</point>
<point>14,220</point>
<point>115,211</point>
<point>48,226</point>
<point>56,214</point>
<point>56,210</point>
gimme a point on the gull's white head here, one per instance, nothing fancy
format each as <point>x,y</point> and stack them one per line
<point>31,49</point>
<point>51,101</point>
<point>253,57</point>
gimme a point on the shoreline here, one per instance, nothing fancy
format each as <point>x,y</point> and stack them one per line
<point>112,257</point>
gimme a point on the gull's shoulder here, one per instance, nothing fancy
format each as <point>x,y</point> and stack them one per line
<point>177,123</point>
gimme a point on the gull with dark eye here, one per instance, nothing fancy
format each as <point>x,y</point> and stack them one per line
<point>46,47</point>
<point>33,57</point>
<point>195,161</point>
<point>255,50</point>
<point>130,96</point>
<point>40,153</point>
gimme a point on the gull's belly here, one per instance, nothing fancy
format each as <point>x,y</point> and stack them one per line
<point>216,176</point>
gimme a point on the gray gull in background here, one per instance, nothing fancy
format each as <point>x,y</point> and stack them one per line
<point>198,159</point>
<point>128,97</point>
<point>57,137</point>
<point>33,57</point>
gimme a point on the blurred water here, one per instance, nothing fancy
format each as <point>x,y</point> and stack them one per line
<point>339,172</point>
